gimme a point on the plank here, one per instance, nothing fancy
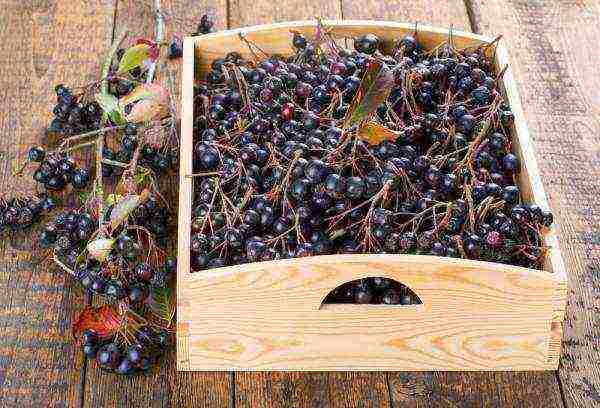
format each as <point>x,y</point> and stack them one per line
<point>440,388</point>
<point>165,386</point>
<point>551,44</point>
<point>262,387</point>
<point>43,43</point>
<point>431,12</point>
<point>244,13</point>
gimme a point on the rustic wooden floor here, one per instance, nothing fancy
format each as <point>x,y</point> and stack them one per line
<point>554,46</point>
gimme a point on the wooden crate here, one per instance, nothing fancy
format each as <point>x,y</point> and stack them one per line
<point>268,315</point>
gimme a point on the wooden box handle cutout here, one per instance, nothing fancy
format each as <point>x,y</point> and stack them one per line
<point>332,299</point>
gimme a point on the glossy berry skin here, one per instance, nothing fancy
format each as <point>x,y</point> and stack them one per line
<point>135,353</point>
<point>36,154</point>
<point>108,356</point>
<point>367,44</point>
<point>175,49</point>
<point>355,188</point>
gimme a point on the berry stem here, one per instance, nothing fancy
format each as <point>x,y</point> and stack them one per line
<point>160,37</point>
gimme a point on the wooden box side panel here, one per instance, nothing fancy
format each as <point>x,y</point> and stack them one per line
<point>532,188</point>
<point>277,38</point>
<point>185,199</point>
<point>267,316</point>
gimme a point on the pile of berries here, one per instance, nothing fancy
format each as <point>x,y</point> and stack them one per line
<point>68,234</point>
<point>150,343</point>
<point>279,173</point>
<point>73,116</point>
<point>20,213</point>
<point>379,291</point>
<point>56,170</point>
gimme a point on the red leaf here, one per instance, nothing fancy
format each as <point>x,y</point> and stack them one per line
<point>104,320</point>
<point>374,89</point>
<point>154,48</point>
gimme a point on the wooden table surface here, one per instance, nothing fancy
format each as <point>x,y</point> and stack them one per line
<point>555,51</point>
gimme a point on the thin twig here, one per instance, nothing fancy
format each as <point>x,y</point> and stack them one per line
<point>160,37</point>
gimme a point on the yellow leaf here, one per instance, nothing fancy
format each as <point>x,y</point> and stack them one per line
<point>375,133</point>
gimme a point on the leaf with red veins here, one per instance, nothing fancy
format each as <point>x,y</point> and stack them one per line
<point>103,320</point>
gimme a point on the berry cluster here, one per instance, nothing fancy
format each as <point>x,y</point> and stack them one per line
<point>56,170</point>
<point>281,174</point>
<point>124,276</point>
<point>22,212</point>
<point>72,116</point>
<point>379,291</point>
<point>205,26</point>
<point>156,218</point>
<point>68,234</point>
<point>154,157</point>
<point>150,343</point>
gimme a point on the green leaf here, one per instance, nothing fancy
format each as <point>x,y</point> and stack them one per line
<point>162,303</point>
<point>135,57</point>
<point>110,105</point>
<point>374,89</point>
<point>83,196</point>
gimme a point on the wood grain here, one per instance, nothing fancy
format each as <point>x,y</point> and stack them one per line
<point>552,44</point>
<point>166,386</point>
<point>43,43</point>
<point>268,315</point>
<point>243,13</point>
<point>450,13</point>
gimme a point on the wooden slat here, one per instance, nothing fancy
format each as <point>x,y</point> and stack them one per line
<point>552,45</point>
<point>166,387</point>
<point>244,13</point>
<point>43,43</point>
<point>446,389</point>
<point>259,386</point>
<point>450,13</point>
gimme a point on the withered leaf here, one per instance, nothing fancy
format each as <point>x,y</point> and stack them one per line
<point>104,321</point>
<point>99,248</point>
<point>151,101</point>
<point>375,133</point>
<point>125,206</point>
